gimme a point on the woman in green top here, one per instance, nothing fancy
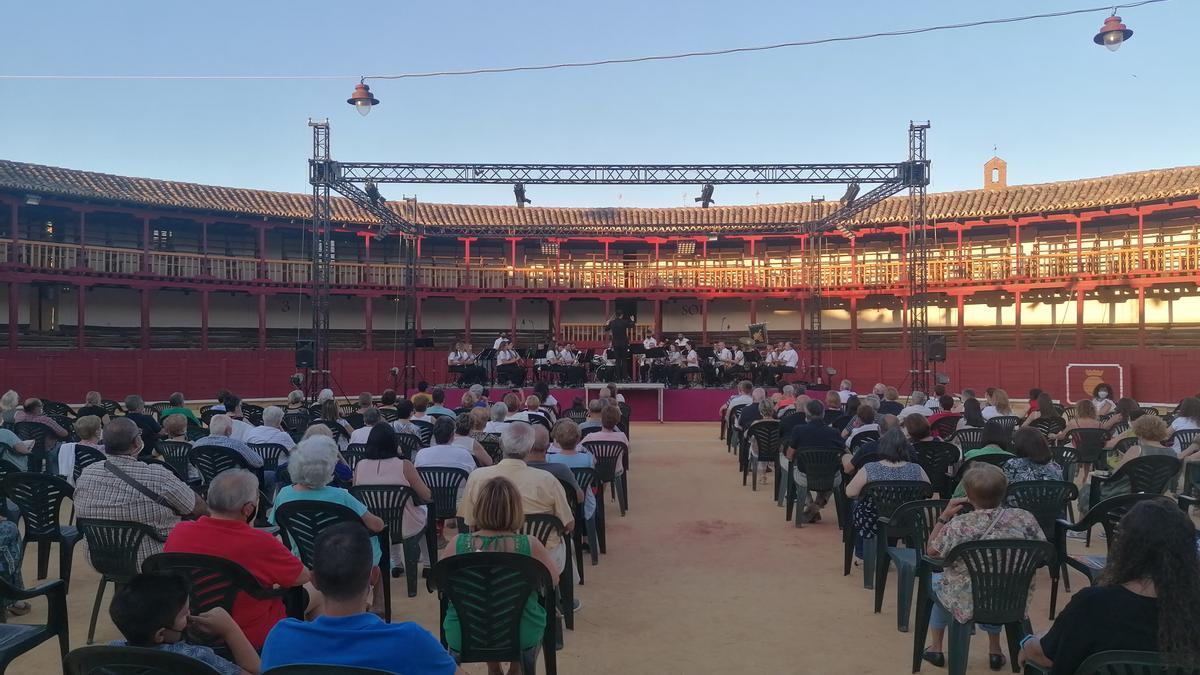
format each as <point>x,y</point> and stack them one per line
<point>176,407</point>
<point>995,439</point>
<point>499,518</point>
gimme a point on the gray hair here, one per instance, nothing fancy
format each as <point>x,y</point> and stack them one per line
<point>541,439</point>
<point>788,390</point>
<point>595,405</point>
<point>325,395</point>
<point>311,464</point>
<point>134,403</point>
<point>968,393</point>
<point>758,394</point>
<point>272,416</point>
<point>231,490</point>
<point>879,389</point>
<point>893,446</point>
<point>477,390</point>
<point>371,416</point>
<point>499,412</point>
<point>296,396</point>
<point>918,398</point>
<point>846,384</point>
<point>10,400</point>
<point>517,440</point>
<point>220,425</point>
<point>120,435</point>
<point>888,422</point>
<point>870,400</point>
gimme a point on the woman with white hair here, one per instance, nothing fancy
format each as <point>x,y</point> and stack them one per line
<point>9,403</point>
<point>497,424</point>
<point>311,467</point>
<point>295,401</point>
<point>325,395</point>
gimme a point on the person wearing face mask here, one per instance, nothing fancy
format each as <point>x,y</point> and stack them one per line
<point>226,533</point>
<point>123,488</point>
<point>1102,398</point>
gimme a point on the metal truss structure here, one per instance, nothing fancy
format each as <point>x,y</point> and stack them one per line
<point>889,178</point>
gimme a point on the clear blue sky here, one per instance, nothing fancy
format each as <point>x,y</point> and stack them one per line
<point>1055,105</point>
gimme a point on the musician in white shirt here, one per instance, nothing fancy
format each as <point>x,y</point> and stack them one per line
<point>462,361</point>
<point>786,362</point>
<point>691,364</point>
<point>508,365</point>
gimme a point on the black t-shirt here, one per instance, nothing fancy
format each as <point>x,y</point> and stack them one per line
<point>814,435</point>
<point>890,408</point>
<point>97,410</point>
<point>1097,619</point>
<point>619,328</point>
<point>150,430</point>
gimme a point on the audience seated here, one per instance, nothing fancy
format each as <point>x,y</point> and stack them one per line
<point>540,491</point>
<point>422,395</point>
<point>371,417</point>
<point>233,408</point>
<point>1102,399</point>
<point>220,429</point>
<point>438,406</point>
<point>123,488</point>
<point>346,634</point>
<point>814,433</point>
<point>1033,459</point>
<point>1042,408</point>
<point>594,408</point>
<point>945,409</point>
<point>566,436</point>
<point>151,430</point>
<point>496,424</point>
<point>311,467</point>
<point>916,406</point>
<point>869,451</point>
<point>32,412</point>
<point>542,390</point>
<point>463,426</point>
<point>1150,431</point>
<point>271,430</point>
<point>890,405</point>
<point>383,465</point>
<point>403,423</point>
<point>421,408</point>
<point>174,428</point>
<point>365,400</point>
<point>224,533</point>
<point>996,440</point>
<point>893,464</point>
<point>93,406</point>
<point>845,391</point>
<point>295,402</point>
<point>10,403</point>
<point>989,519</point>
<point>864,420</point>
<point>152,612</point>
<point>177,407</point>
<point>387,400</point>
<point>610,418</point>
<point>972,415</point>
<point>537,459</point>
<point>1147,598</point>
<point>87,428</point>
<point>998,405</point>
<point>444,452</point>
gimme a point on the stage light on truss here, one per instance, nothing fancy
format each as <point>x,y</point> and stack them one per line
<point>550,247</point>
<point>685,247</point>
<point>851,194</point>
<point>519,193</point>
<point>33,200</point>
<point>1112,34</point>
<point>362,99</point>
<point>706,196</point>
<point>373,194</point>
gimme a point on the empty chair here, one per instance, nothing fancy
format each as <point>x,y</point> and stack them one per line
<point>18,638</point>
<point>1048,501</point>
<point>936,458</point>
<point>968,438</point>
<point>612,461</point>
<point>112,549</point>
<point>40,498</point>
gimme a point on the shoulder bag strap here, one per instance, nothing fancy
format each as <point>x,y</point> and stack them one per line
<point>150,494</point>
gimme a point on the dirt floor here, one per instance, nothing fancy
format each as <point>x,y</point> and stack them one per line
<point>702,576</point>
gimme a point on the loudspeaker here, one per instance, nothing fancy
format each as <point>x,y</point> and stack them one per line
<point>306,356</point>
<point>423,342</point>
<point>935,348</point>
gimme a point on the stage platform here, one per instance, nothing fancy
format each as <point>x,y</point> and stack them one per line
<point>679,405</point>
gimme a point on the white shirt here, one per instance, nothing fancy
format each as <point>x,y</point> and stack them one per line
<point>453,456</point>
<point>914,410</point>
<point>465,442</point>
<point>506,355</point>
<point>790,358</point>
<point>739,399</point>
<point>675,357</point>
<point>649,343</point>
<point>551,355</point>
<point>240,429</point>
<point>692,359</point>
<point>266,434</point>
<point>725,356</point>
<point>739,357</point>
<point>990,412</point>
<point>865,427</point>
<point>566,357</point>
<point>845,395</point>
<point>493,427</point>
<point>499,341</point>
<point>360,435</point>
<point>1104,405</point>
<point>458,358</point>
<point>550,400</point>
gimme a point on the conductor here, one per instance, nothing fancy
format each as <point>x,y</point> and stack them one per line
<point>618,329</point>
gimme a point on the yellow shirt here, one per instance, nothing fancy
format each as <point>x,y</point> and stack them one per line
<point>540,492</point>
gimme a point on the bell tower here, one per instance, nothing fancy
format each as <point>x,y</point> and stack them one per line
<point>995,174</point>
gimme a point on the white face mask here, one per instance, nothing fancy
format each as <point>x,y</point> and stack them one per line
<point>1102,394</point>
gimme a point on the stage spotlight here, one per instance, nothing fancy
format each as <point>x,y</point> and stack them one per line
<point>393,371</point>
<point>373,194</point>
<point>851,194</point>
<point>942,378</point>
<point>33,200</point>
<point>550,247</point>
<point>685,247</point>
<point>1112,34</point>
<point>361,99</point>
<point>519,193</point>
<point>297,380</point>
<point>706,196</point>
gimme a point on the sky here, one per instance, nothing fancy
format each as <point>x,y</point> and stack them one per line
<point>1051,103</point>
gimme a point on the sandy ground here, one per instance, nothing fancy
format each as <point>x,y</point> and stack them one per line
<point>701,576</point>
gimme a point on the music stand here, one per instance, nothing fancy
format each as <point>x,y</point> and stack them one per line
<point>487,357</point>
<point>637,348</point>
<point>706,352</point>
<point>656,353</point>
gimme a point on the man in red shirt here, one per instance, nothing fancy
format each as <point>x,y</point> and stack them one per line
<point>233,500</point>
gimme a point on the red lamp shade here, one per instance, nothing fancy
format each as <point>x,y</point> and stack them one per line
<point>361,99</point>
<point>1112,34</point>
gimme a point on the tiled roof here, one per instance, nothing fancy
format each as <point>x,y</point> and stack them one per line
<point>1091,193</point>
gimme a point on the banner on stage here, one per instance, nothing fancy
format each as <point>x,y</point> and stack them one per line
<point>1082,379</point>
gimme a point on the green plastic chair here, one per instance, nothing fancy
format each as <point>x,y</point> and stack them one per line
<point>1123,662</point>
<point>912,523</point>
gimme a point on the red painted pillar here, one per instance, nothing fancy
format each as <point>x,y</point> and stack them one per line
<point>512,319</point>
<point>1017,256</point>
<point>903,257</point>
<point>1079,319</point>
<point>656,257</point>
<point>204,320</point>
<point>1078,246</point>
<point>960,301</point>
<point>853,260</point>
<point>753,310</point>
<point>81,261</point>
<point>262,322</point>
<point>853,320</point>
<point>1017,315</point>
<point>466,318</point>
<point>80,316</point>
<point>369,323</point>
<point>145,243</point>
<point>657,317</point>
<point>14,312</point>
<point>558,333</point>
<point>704,321</point>
<point>262,251</point>
<point>704,245</point>
<point>753,267</point>
<point>512,242</point>
<point>1141,263</point>
<point>14,233</point>
<point>1141,314</point>
<point>606,243</point>
<point>205,268</point>
<point>145,327</point>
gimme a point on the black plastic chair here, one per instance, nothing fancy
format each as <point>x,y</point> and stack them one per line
<point>1048,425</point>
<point>271,454</point>
<point>732,433</point>
<point>425,431</point>
<point>113,548</point>
<point>577,415</point>
<point>40,496</point>
<point>175,456</point>
<point>936,458</point>
<point>596,533</point>
<point>1125,662</point>
<point>353,453</point>
<point>1107,514</point>
<point>1064,456</point>
<point>1089,446</point>
<point>112,407</point>
<point>821,468</point>
<point>887,495</point>
<point>302,520</point>
<point>445,483</point>
<point>85,456</point>
<point>132,661</point>
<point>252,413</point>
<point>1008,422</point>
<point>608,454</point>
<point>1151,473</point>
<point>911,523</point>
<point>489,591</point>
<point>967,438</point>
<point>1001,571</point>
<point>354,419</point>
<point>541,526</point>
<point>862,438</point>
<point>57,409</point>
<point>18,638</point>
<point>322,669</point>
<point>946,426</point>
<point>296,423</point>
<point>216,582</point>
<point>409,444</point>
<point>1047,500</point>
<point>491,445</point>
<point>762,445</point>
<point>388,502</point>
<point>42,438</point>
<point>212,460</point>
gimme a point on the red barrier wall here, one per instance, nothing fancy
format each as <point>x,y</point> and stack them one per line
<point>1150,375</point>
